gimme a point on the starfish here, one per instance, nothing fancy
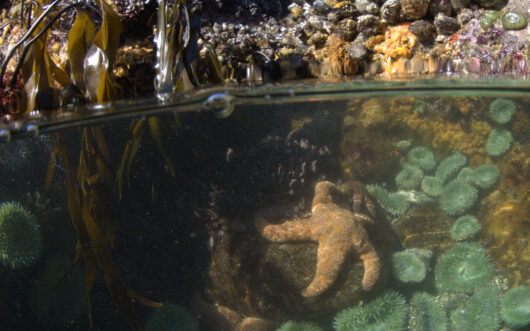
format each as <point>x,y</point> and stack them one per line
<point>338,232</point>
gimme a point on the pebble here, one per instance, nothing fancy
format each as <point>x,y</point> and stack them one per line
<point>368,25</point>
<point>390,11</point>
<point>414,9</point>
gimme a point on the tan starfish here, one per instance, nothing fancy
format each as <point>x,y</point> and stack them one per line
<point>338,232</point>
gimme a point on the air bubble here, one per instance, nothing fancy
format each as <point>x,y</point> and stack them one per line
<point>221,104</point>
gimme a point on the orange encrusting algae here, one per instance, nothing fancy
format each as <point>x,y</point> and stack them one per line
<point>396,48</point>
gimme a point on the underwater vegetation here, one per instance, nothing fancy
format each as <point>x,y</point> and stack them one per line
<point>465,227</point>
<point>463,268</point>
<point>482,312</point>
<point>501,110</point>
<point>411,264</point>
<point>298,326</point>
<point>58,297</point>
<point>499,142</point>
<point>423,157</point>
<point>432,186</point>
<point>409,177</point>
<point>426,314</point>
<point>171,317</point>
<point>515,306</point>
<point>20,236</point>
<point>387,312</point>
<point>450,166</point>
<point>457,197</point>
<point>394,203</point>
<point>484,176</point>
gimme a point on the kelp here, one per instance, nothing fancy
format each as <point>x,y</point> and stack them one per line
<point>88,188</point>
<point>91,55</point>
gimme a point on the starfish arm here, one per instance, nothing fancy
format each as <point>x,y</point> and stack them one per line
<point>288,230</point>
<point>372,267</point>
<point>322,194</point>
<point>329,262</point>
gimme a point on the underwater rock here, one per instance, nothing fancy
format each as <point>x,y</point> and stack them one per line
<point>254,276</point>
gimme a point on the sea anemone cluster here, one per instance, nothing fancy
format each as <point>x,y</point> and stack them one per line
<point>423,157</point>
<point>387,312</point>
<point>501,110</point>
<point>411,265</point>
<point>482,312</point>
<point>432,186</point>
<point>450,166</point>
<point>298,326</point>
<point>499,142</point>
<point>463,268</point>
<point>515,307</point>
<point>426,313</point>
<point>484,176</point>
<point>20,236</point>
<point>409,177</point>
<point>171,317</point>
<point>457,197</point>
<point>394,203</point>
<point>465,227</point>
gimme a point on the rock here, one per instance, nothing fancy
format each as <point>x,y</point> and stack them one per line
<point>390,11</point>
<point>440,6</point>
<point>368,25</point>
<point>356,49</point>
<point>414,9</point>
<point>496,4</point>
<point>321,7</point>
<point>446,25</point>
<point>464,16</point>
<point>367,7</point>
<point>424,31</point>
<point>458,4</point>
<point>263,279</point>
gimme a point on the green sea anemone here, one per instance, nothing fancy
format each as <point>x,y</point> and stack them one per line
<point>387,312</point>
<point>20,236</point>
<point>515,307</point>
<point>482,312</point>
<point>432,186</point>
<point>465,227</point>
<point>501,110</point>
<point>299,326</point>
<point>423,157</point>
<point>394,203</point>
<point>403,145</point>
<point>58,296</point>
<point>464,267</point>
<point>409,177</point>
<point>465,174</point>
<point>426,314</point>
<point>408,267</point>
<point>457,197</point>
<point>450,166</point>
<point>171,317</point>
<point>484,176</point>
<point>499,142</point>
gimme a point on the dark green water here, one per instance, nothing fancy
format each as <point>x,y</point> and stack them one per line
<point>161,196</point>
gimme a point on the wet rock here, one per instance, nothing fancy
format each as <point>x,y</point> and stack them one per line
<point>414,9</point>
<point>440,6</point>
<point>367,7</point>
<point>464,16</point>
<point>368,25</point>
<point>446,25</point>
<point>356,49</point>
<point>458,4</point>
<point>390,11</point>
<point>495,4</point>
<point>347,29</point>
<point>321,7</point>
<point>424,31</point>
